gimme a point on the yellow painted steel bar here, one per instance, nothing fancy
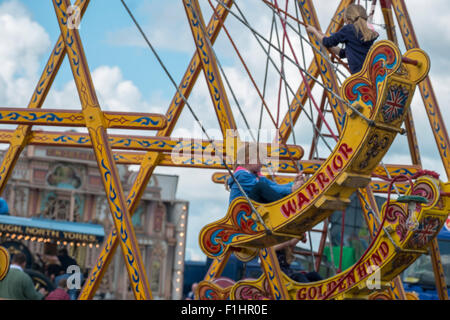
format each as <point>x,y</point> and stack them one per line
<point>295,107</point>
<point>283,166</point>
<point>383,186</point>
<point>386,8</point>
<point>388,17</point>
<point>438,269</point>
<point>397,289</point>
<point>437,125</point>
<point>327,73</point>
<point>209,162</point>
<point>216,267</point>
<point>96,126</point>
<point>272,271</point>
<point>45,81</point>
<point>179,147</point>
<point>135,120</point>
<point>210,69</point>
<point>150,160</point>
<point>74,118</point>
<point>425,87</point>
<point>193,70</point>
<point>412,139</point>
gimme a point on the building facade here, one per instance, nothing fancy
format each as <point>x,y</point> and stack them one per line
<point>65,184</point>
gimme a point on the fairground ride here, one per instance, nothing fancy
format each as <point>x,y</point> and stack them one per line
<point>369,109</point>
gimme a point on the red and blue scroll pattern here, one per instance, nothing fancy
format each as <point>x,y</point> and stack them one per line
<point>383,60</point>
<point>248,291</point>
<point>217,237</point>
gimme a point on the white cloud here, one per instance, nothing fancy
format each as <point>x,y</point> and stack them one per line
<point>23,41</point>
<point>113,92</point>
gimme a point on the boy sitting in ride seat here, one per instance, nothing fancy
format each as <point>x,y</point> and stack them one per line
<point>247,172</point>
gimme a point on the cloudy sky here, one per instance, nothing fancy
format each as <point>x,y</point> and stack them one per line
<point>127,77</point>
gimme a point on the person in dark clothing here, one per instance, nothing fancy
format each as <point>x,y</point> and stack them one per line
<point>53,270</point>
<point>356,35</point>
<point>65,259</point>
<point>285,257</point>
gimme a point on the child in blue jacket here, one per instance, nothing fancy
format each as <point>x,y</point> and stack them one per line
<point>356,35</point>
<point>256,186</point>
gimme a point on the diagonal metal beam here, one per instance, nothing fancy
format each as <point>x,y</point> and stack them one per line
<point>40,93</point>
<point>426,89</point>
<point>96,126</point>
<point>150,160</point>
<point>210,69</point>
<point>327,73</point>
<point>295,107</point>
<point>436,122</point>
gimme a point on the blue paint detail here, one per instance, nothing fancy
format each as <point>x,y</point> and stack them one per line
<point>145,121</point>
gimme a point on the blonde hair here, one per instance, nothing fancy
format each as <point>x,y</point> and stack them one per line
<point>356,15</point>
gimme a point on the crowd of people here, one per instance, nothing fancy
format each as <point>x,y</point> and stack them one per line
<point>18,284</point>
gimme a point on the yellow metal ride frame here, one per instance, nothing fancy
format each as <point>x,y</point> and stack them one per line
<point>243,233</point>
<point>365,129</point>
<point>329,189</point>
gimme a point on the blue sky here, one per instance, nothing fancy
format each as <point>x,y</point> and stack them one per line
<point>137,63</point>
<point>128,77</point>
